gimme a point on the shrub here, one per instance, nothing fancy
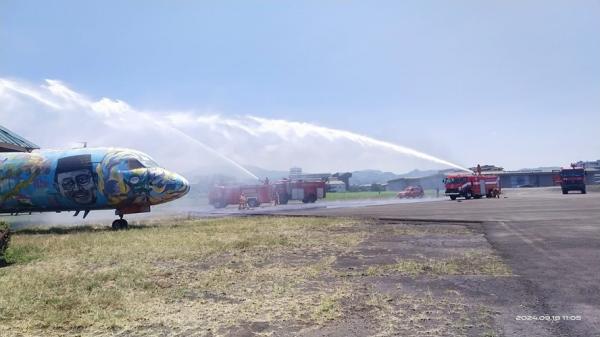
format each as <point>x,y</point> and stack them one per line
<point>4,239</point>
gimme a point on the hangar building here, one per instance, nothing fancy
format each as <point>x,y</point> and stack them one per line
<point>430,182</point>
<point>540,178</point>
<point>11,142</point>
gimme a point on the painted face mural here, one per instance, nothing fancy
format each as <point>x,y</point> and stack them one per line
<point>74,179</point>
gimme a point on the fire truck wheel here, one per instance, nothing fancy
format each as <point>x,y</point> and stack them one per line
<point>452,197</point>
<point>565,191</point>
<point>252,202</point>
<point>283,199</point>
<point>583,191</point>
<point>468,195</point>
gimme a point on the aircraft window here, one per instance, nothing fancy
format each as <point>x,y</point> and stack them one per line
<point>134,164</point>
<point>148,162</point>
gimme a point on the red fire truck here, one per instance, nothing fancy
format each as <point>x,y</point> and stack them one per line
<point>285,190</point>
<point>472,186</point>
<point>303,190</point>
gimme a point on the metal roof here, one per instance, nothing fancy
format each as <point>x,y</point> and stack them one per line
<point>10,141</point>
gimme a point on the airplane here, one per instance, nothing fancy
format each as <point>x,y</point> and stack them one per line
<point>85,179</point>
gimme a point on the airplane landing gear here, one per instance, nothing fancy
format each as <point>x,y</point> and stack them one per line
<point>119,223</point>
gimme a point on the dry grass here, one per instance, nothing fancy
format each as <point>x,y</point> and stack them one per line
<point>215,273</point>
<point>427,315</point>
<point>211,277</point>
<point>473,263</point>
<point>439,229</point>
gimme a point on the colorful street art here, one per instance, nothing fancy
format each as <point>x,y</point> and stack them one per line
<point>85,179</point>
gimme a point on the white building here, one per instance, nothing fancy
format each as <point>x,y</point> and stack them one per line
<point>336,186</point>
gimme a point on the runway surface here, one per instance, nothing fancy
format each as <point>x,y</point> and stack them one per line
<point>552,241</point>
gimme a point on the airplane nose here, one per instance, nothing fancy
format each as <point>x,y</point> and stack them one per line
<point>183,186</point>
<point>166,186</point>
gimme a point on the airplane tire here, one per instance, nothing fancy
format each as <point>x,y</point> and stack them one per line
<point>119,224</point>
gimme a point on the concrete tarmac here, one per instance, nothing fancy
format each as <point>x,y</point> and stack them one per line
<point>550,240</point>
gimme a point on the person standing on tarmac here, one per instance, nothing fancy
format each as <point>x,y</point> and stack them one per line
<point>243,202</point>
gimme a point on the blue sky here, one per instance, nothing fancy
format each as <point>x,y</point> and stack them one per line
<point>513,83</point>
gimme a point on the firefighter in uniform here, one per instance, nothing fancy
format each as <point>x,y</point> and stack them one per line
<point>243,202</point>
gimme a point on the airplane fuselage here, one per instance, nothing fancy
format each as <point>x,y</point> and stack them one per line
<point>83,180</point>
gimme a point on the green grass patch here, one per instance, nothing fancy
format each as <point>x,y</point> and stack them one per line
<point>22,254</point>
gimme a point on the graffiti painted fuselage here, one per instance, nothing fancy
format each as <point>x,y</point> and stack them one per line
<point>85,179</point>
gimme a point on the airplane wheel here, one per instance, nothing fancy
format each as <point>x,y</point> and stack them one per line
<point>119,224</point>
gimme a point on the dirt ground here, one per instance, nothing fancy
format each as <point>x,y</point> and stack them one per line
<point>420,279</point>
